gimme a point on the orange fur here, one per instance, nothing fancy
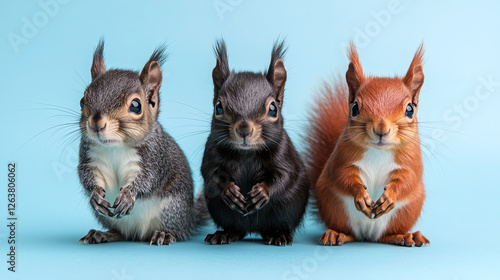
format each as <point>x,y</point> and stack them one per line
<point>338,139</point>
<point>331,104</point>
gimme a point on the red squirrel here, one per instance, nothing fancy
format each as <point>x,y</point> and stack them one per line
<point>364,157</point>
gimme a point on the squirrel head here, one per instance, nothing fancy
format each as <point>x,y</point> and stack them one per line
<point>119,106</point>
<point>247,106</point>
<point>383,111</point>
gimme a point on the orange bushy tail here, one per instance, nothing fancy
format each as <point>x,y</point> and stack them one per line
<point>326,124</point>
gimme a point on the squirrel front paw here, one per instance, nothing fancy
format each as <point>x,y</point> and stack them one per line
<point>364,203</point>
<point>233,198</point>
<point>99,204</point>
<point>124,203</point>
<point>258,197</point>
<point>385,203</point>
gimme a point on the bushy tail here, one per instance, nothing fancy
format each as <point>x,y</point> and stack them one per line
<point>326,124</point>
<point>201,215</point>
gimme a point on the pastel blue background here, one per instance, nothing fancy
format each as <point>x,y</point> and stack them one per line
<point>51,68</point>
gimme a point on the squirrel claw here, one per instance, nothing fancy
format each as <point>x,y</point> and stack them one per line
<point>162,238</point>
<point>333,238</point>
<point>99,204</point>
<point>96,237</point>
<point>233,198</point>
<point>279,240</point>
<point>364,203</point>
<point>223,237</point>
<point>416,239</point>
<point>124,203</point>
<point>258,198</point>
<point>385,203</point>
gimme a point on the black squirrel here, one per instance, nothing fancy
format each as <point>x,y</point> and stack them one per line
<point>254,179</point>
<point>129,163</point>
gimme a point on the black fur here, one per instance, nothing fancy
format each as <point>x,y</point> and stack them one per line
<point>275,162</point>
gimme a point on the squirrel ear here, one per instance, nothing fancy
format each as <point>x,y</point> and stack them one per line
<point>354,75</point>
<point>278,79</point>
<point>98,66</point>
<point>414,78</point>
<point>276,74</point>
<point>151,76</point>
<point>221,69</point>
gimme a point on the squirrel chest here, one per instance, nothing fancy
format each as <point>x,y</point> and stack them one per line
<point>116,167</point>
<point>374,169</point>
<point>247,172</point>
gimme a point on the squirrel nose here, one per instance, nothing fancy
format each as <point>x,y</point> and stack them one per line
<point>244,129</point>
<point>380,133</point>
<point>245,133</point>
<point>97,128</point>
<point>97,123</point>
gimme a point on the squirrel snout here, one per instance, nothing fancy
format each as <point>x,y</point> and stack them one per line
<point>97,127</point>
<point>380,133</point>
<point>97,123</point>
<point>244,129</point>
<point>244,133</point>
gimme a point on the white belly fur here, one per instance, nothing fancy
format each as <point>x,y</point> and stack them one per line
<point>375,167</point>
<point>116,167</point>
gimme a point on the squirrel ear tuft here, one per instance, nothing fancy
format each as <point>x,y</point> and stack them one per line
<point>414,78</point>
<point>276,74</point>
<point>221,69</point>
<point>354,75</point>
<point>98,66</point>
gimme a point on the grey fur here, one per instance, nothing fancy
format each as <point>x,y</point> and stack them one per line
<point>164,170</point>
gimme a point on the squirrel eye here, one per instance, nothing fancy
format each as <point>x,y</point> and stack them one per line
<point>218,108</point>
<point>135,106</point>
<point>81,103</point>
<point>409,111</point>
<point>355,109</point>
<point>273,110</point>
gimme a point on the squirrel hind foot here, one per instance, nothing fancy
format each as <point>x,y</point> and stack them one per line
<point>223,237</point>
<point>409,239</point>
<point>162,238</point>
<point>333,238</point>
<point>96,237</point>
<point>279,239</point>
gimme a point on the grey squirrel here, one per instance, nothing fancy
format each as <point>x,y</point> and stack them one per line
<point>254,179</point>
<point>136,176</point>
